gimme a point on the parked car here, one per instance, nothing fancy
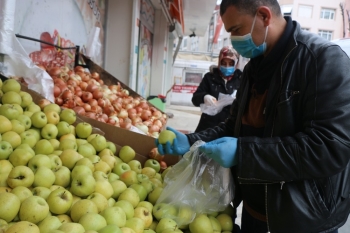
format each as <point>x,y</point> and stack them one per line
<point>344,44</point>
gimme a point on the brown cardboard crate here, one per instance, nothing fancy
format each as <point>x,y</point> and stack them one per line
<point>142,144</point>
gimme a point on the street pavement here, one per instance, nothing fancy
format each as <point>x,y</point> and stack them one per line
<point>186,118</point>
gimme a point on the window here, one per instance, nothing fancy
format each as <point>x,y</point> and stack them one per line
<point>325,34</point>
<point>327,13</point>
<point>305,29</point>
<point>184,42</point>
<point>287,10</point>
<point>305,11</point>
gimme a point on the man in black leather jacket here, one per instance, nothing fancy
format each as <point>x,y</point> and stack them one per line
<point>288,135</point>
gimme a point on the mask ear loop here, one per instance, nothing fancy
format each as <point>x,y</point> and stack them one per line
<point>251,30</point>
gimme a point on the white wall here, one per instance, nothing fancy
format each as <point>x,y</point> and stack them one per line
<point>118,39</point>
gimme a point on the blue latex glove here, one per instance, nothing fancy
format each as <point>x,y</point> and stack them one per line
<point>222,150</point>
<point>179,147</point>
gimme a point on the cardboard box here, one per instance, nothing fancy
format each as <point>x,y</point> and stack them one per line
<point>142,144</point>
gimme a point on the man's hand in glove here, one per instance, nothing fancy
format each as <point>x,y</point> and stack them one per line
<point>179,147</point>
<point>210,100</point>
<point>222,150</point>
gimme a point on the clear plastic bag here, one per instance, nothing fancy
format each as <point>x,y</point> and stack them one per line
<point>223,101</point>
<point>196,184</point>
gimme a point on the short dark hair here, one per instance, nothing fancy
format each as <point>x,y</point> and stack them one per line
<point>250,6</point>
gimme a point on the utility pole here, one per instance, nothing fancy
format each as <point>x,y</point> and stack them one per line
<point>342,14</point>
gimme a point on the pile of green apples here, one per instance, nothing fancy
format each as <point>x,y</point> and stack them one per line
<point>58,176</point>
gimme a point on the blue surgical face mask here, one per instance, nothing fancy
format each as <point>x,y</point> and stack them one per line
<point>227,71</point>
<point>245,46</point>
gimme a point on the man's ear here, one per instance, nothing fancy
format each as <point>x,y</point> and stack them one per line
<point>265,14</point>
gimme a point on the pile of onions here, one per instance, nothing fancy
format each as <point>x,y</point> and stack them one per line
<point>87,95</point>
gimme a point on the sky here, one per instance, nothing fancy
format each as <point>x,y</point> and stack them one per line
<point>218,2</point>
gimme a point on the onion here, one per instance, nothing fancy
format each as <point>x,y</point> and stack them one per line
<point>43,102</point>
<point>158,123</point>
<point>83,85</point>
<point>153,128</point>
<point>58,101</point>
<point>91,87</point>
<point>123,113</point>
<point>79,110</point>
<point>95,75</point>
<point>112,121</point>
<point>101,102</point>
<point>157,114</point>
<point>54,71</point>
<point>78,100</point>
<point>97,94</point>
<point>87,107</point>
<point>72,82</point>
<point>142,127</point>
<point>79,69</point>
<point>125,125</point>
<point>90,115</point>
<point>86,96</point>
<point>108,109</point>
<point>163,166</point>
<point>143,105</point>
<point>146,114</point>
<point>154,154</point>
<point>93,102</point>
<point>56,91</point>
<point>135,120</point>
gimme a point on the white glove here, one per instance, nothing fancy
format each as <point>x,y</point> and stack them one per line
<point>209,100</point>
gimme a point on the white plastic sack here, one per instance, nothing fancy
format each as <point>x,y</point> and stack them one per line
<point>223,101</point>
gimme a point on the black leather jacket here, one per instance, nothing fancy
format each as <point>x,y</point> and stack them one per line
<point>303,158</point>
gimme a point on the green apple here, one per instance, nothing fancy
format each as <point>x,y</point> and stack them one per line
<point>11,85</point>
<point>44,147</point>
<point>63,177</point>
<point>129,177</point>
<point>25,120</point>
<point>107,156</point>
<point>82,207</point>
<point>92,136</point>
<point>156,182</point>
<point>23,226</point>
<point>44,177</point>
<point>17,126</point>
<point>166,223</point>
<point>99,143</point>
<point>131,196</point>
<point>5,150</point>
<point>100,175</point>
<point>72,129</point>
<point>75,200</point>
<point>137,224</point>
<point>9,111</point>
<point>12,137</point>
<point>71,227</point>
<point>164,210</point>
<point>114,215</point>
<point>110,229</point>
<point>33,209</point>
<point>83,185</point>
<point>49,224</point>
<point>41,192</point>
<point>201,223</point>
<point>11,97</point>
<point>52,107</point>
<point>142,177</point>
<point>146,204</point>
<point>63,128</point>
<point>166,136</point>
<point>120,168</point>
<point>154,195</point>
<point>55,143</point>
<point>86,162</point>
<point>86,150</point>
<point>135,165</point>
<point>20,176</point>
<point>5,124</point>
<point>22,192</point>
<point>118,187</point>
<point>59,201</point>
<point>111,202</point>
<point>100,201</point>
<point>185,215</point>
<point>64,218</point>
<point>68,115</point>
<point>141,191</point>
<point>104,187</point>
<point>49,131</point>
<point>70,157</point>
<point>56,162</point>
<point>153,164</point>
<point>94,159</point>
<point>36,132</point>
<point>151,231</point>
<point>148,171</point>
<point>126,154</point>
<point>129,230</point>
<point>26,99</point>
<point>144,214</point>
<point>68,144</point>
<point>92,221</point>
<point>80,141</point>
<point>83,130</point>
<point>102,166</point>
<point>5,166</point>
<point>215,224</point>
<point>81,170</point>
<point>9,206</point>
<point>225,221</point>
<point>112,147</point>
<point>112,177</point>
<point>39,160</point>
<point>38,119</point>
<point>28,137</point>
<point>52,117</point>
<point>127,207</point>
<point>158,176</point>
